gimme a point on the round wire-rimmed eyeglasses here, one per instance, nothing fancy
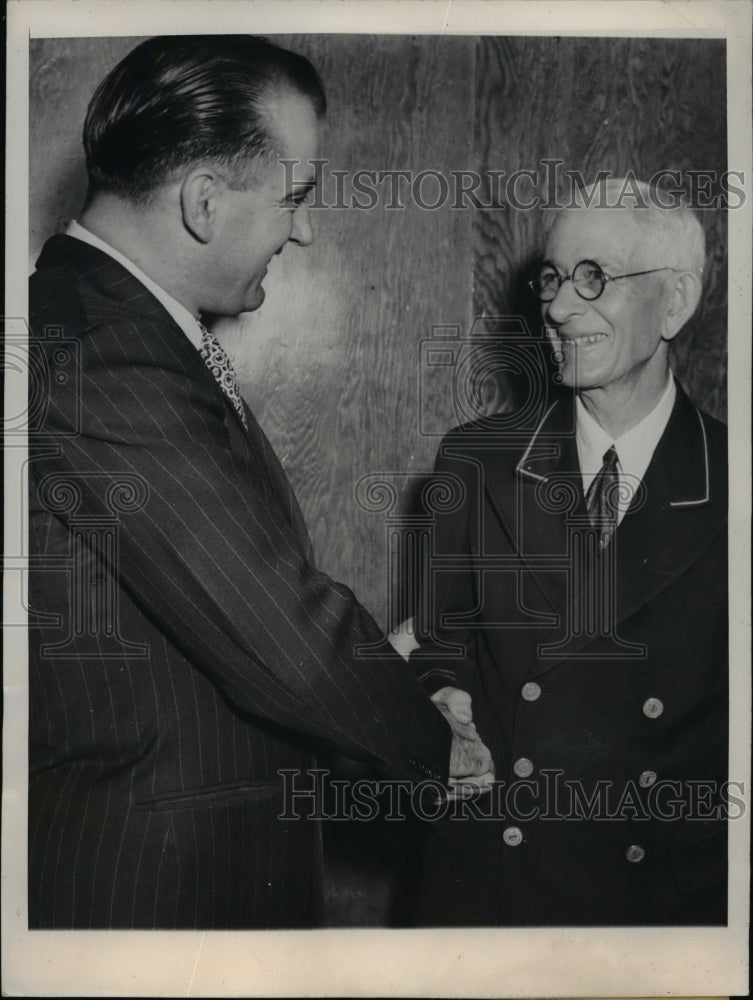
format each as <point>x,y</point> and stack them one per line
<point>588,278</point>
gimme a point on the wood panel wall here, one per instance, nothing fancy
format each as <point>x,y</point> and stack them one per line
<point>332,362</point>
<point>625,105</point>
<point>331,359</point>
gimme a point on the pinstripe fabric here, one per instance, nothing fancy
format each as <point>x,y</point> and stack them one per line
<point>155,749</point>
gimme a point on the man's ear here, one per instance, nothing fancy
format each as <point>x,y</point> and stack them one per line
<point>199,193</point>
<point>683,298</point>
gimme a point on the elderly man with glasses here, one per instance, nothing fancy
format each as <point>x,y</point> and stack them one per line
<point>577,604</point>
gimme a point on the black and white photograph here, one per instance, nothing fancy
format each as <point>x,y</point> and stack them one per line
<point>377,504</point>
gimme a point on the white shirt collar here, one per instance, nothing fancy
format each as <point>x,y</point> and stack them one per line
<point>188,323</point>
<point>634,448</point>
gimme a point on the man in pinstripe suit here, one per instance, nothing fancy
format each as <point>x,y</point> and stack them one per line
<point>184,649</point>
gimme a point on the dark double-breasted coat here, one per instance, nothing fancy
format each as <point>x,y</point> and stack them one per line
<point>598,678</point>
<point>184,649</point>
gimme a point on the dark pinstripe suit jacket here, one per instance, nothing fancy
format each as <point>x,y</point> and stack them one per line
<point>183,647</point>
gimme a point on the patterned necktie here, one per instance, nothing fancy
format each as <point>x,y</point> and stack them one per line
<point>220,366</point>
<point>601,499</point>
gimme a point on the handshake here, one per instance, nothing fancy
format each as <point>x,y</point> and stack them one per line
<point>471,764</point>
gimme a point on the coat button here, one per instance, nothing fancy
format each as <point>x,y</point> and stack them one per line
<point>512,836</point>
<point>523,767</point>
<point>652,708</point>
<point>635,853</point>
<point>647,779</point>
<point>531,691</point>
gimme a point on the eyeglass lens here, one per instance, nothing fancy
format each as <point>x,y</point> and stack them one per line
<point>587,277</point>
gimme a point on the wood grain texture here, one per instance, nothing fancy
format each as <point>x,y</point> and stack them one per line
<point>64,73</point>
<point>333,363</point>
<point>602,104</point>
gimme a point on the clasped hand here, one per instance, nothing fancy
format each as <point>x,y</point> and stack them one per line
<point>471,764</point>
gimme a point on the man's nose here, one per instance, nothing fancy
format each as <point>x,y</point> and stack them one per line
<point>566,303</point>
<point>302,233</point>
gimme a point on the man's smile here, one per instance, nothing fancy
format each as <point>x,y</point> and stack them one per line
<point>579,339</point>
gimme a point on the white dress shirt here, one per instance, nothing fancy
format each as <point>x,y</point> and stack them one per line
<point>634,448</point>
<point>188,323</point>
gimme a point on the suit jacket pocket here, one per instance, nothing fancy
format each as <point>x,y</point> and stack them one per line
<point>215,795</point>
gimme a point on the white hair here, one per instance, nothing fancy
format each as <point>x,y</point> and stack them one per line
<point>672,233</point>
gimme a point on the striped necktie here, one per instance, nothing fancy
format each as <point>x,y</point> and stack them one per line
<point>220,366</point>
<point>602,498</point>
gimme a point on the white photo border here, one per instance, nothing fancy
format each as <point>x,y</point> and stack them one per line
<point>529,962</point>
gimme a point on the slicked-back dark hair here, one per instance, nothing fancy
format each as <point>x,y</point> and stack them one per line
<point>179,99</point>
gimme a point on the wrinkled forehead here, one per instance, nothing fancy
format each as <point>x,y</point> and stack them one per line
<point>605,235</point>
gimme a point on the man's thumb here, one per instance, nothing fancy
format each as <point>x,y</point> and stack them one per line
<point>459,703</point>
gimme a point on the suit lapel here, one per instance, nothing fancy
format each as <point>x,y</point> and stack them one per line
<point>110,291</point>
<point>676,518</point>
<point>529,499</point>
<point>672,520</point>
<point>281,491</point>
